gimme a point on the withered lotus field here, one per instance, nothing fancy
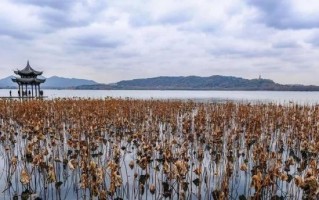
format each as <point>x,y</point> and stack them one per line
<point>157,149</point>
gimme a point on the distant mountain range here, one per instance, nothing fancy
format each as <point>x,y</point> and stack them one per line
<point>215,82</point>
<point>53,82</point>
<point>60,82</point>
<point>200,83</point>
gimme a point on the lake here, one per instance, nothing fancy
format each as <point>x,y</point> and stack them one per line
<point>128,149</point>
<point>264,96</point>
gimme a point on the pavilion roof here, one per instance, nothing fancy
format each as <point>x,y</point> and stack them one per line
<point>27,80</point>
<point>28,70</point>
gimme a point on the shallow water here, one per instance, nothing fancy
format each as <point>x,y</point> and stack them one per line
<point>184,114</point>
<point>264,96</point>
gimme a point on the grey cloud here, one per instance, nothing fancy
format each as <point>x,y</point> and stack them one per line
<point>171,18</point>
<point>55,4</point>
<point>16,34</point>
<point>269,6</point>
<point>97,42</point>
<point>175,17</point>
<point>286,45</point>
<point>10,29</point>
<point>245,53</point>
<point>57,14</point>
<point>314,40</point>
<point>209,28</point>
<point>56,19</point>
<point>59,19</point>
<point>280,14</point>
<point>127,54</point>
<point>267,68</point>
<point>140,19</point>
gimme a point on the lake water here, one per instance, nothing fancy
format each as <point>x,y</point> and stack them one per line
<point>264,96</point>
<point>240,181</point>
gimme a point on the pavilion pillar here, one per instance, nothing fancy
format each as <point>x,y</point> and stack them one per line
<point>32,89</point>
<point>28,89</point>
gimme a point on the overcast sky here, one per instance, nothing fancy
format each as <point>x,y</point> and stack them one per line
<point>108,41</point>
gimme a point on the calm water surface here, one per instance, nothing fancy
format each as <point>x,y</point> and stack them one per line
<point>264,96</point>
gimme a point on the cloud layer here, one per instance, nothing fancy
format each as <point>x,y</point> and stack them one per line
<point>114,40</point>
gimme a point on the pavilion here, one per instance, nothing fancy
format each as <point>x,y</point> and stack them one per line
<point>28,80</point>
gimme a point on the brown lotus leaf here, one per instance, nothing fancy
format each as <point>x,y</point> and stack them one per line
<point>103,195</point>
<point>200,154</point>
<point>117,179</point>
<point>92,165</point>
<point>167,154</point>
<point>229,168</point>
<point>166,168</point>
<point>112,189</point>
<point>143,162</point>
<point>84,181</point>
<point>309,173</point>
<point>14,161</point>
<point>51,175</point>
<point>198,171</point>
<point>72,164</point>
<point>311,183</point>
<point>131,164</point>
<point>95,190</point>
<point>99,175</point>
<point>112,165</point>
<point>24,177</point>
<point>284,176</point>
<point>268,181</point>
<point>181,167</point>
<point>41,136</point>
<point>152,188</point>
<point>256,182</point>
<point>243,167</point>
<point>37,159</point>
<point>313,164</point>
<point>299,181</point>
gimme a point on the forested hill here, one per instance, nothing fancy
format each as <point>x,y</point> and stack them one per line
<point>196,82</point>
<point>216,82</point>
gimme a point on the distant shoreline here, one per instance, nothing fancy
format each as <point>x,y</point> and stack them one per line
<point>176,89</point>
